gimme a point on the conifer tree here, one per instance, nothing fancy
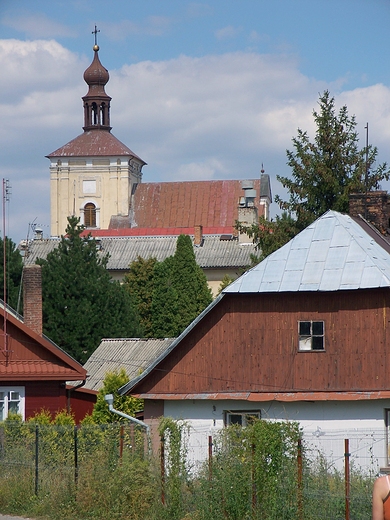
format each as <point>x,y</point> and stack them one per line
<point>324,173</point>
<point>139,281</point>
<point>81,303</point>
<point>14,268</point>
<point>165,302</point>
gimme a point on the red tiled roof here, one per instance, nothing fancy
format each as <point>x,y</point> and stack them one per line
<point>94,143</point>
<point>37,368</point>
<point>149,232</point>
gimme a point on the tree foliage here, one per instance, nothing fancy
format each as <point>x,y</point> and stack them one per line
<point>169,294</point>
<point>14,268</point>
<point>81,303</point>
<point>140,283</point>
<point>126,404</point>
<point>324,173</point>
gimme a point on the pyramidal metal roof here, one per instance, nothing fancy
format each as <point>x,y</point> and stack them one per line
<point>334,253</point>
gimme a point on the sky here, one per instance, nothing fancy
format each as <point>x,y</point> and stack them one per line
<point>203,90</point>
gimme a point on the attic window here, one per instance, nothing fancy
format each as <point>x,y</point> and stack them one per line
<point>241,417</point>
<point>226,237</point>
<point>311,335</point>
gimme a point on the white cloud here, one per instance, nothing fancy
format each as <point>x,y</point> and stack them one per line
<point>188,118</point>
<point>228,32</point>
<point>151,26</point>
<point>37,26</point>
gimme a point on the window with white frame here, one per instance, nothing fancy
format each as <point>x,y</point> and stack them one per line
<point>311,335</point>
<point>241,417</point>
<point>11,401</point>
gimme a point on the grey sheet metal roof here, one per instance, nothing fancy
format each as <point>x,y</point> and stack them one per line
<point>333,253</point>
<point>214,253</point>
<point>134,355</point>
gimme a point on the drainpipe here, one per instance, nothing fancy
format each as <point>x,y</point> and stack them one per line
<point>109,398</point>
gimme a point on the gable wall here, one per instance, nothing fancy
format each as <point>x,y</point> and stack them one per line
<point>250,343</point>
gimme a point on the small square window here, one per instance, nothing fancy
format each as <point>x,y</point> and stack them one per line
<point>242,418</point>
<point>311,335</point>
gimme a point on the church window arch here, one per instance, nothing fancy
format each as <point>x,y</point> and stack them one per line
<point>90,215</point>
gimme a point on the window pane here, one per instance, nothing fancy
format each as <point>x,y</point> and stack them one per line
<point>305,343</point>
<point>304,328</point>
<point>2,395</point>
<point>13,406</point>
<point>318,343</point>
<point>14,396</point>
<point>318,328</point>
<point>235,419</point>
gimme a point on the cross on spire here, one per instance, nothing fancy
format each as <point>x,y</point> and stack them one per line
<point>95,33</point>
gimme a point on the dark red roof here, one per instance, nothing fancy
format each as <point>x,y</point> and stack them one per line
<point>212,204</point>
<point>94,143</point>
<point>148,232</point>
<point>30,356</point>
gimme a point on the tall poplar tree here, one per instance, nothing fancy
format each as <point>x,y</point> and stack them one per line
<point>13,270</point>
<point>81,303</point>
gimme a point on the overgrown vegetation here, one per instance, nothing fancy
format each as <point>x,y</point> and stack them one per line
<point>253,474</point>
<point>81,303</point>
<point>170,294</point>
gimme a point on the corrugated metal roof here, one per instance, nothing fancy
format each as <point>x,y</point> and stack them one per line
<point>273,396</point>
<point>214,252</point>
<point>333,253</point>
<point>189,203</point>
<point>134,355</point>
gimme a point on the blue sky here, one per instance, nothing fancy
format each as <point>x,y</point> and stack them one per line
<point>200,90</point>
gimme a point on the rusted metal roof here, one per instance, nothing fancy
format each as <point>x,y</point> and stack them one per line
<point>269,396</point>
<point>189,203</point>
<point>94,143</point>
<point>213,253</point>
<point>333,253</point>
<point>134,355</point>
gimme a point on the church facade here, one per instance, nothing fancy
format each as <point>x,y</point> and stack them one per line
<point>92,175</point>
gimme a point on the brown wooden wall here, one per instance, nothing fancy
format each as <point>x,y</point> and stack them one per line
<point>250,343</point>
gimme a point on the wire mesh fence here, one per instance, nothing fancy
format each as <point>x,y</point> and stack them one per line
<point>107,471</point>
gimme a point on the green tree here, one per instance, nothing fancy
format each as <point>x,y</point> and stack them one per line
<point>14,268</point>
<point>324,173</point>
<point>190,282</point>
<point>165,302</point>
<point>139,281</point>
<point>180,291</point>
<point>126,404</point>
<point>81,303</point>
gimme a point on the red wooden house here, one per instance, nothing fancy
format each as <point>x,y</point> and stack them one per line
<point>301,336</point>
<point>33,370</point>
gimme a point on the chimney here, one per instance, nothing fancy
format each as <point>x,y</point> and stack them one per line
<point>198,235</point>
<point>373,206</point>
<point>32,297</point>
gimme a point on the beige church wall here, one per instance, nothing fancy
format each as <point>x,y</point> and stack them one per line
<point>214,277</point>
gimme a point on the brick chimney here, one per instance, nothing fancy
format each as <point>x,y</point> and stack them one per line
<point>198,235</point>
<point>373,206</point>
<point>32,297</point>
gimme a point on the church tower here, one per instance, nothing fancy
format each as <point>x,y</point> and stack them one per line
<point>92,176</point>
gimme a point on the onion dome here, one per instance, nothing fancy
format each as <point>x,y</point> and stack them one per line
<point>96,74</point>
<point>96,102</point>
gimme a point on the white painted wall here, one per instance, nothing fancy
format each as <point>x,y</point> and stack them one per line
<point>325,426</point>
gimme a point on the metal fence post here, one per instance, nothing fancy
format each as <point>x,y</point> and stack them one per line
<point>76,458</point>
<point>36,458</point>
<point>300,480</point>
<point>347,481</point>
<point>162,465</point>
